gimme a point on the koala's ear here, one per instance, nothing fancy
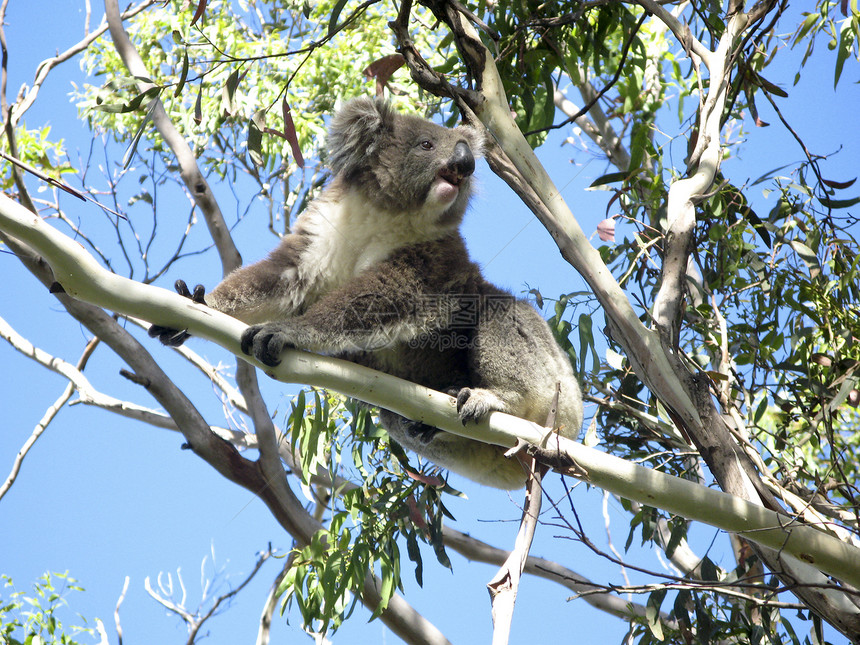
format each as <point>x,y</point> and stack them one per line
<point>356,133</point>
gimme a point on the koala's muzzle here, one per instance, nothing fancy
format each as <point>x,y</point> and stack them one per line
<point>460,165</point>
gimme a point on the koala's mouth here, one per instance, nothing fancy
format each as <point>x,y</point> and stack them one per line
<point>446,188</point>
<point>452,177</point>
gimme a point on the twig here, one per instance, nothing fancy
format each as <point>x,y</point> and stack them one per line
<point>47,65</point>
<point>264,632</point>
<point>26,347</point>
<point>505,584</point>
<point>116,610</point>
<point>585,109</point>
<point>194,179</point>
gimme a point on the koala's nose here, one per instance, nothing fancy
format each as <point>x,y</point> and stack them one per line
<point>462,162</point>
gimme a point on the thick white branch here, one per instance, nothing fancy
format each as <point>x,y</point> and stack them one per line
<point>683,193</point>
<point>82,277</point>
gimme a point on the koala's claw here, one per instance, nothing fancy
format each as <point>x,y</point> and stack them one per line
<point>175,337</point>
<point>421,431</point>
<point>197,296</point>
<point>475,404</point>
<point>168,336</point>
<point>265,343</point>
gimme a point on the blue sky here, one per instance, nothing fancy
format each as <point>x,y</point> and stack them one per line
<point>106,498</point>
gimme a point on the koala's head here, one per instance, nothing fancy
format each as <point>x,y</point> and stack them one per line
<point>403,163</point>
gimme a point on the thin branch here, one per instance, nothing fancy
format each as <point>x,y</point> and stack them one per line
<point>505,584</point>
<point>167,603</point>
<point>195,628</point>
<point>684,193</point>
<point>49,64</point>
<point>21,344</point>
<point>190,172</point>
<point>264,632</point>
<point>119,602</point>
<point>593,101</point>
<point>595,595</point>
<point>597,127</point>
<point>82,276</point>
<point>681,30</point>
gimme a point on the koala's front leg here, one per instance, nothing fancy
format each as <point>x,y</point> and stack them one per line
<point>175,337</point>
<point>475,403</point>
<point>267,342</point>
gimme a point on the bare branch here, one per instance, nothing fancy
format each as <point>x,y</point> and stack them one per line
<point>83,277</point>
<point>595,595</point>
<point>264,632</point>
<point>198,623</point>
<point>194,180</point>
<point>597,127</point>
<point>684,193</point>
<point>119,602</point>
<point>505,584</point>
<point>49,64</point>
<point>73,373</point>
<point>682,31</point>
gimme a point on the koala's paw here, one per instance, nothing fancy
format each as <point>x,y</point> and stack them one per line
<point>473,404</point>
<point>421,432</point>
<point>266,342</point>
<point>175,337</point>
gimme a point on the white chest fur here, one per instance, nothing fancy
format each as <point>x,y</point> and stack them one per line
<point>349,234</point>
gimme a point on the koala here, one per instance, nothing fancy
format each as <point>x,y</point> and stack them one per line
<point>375,271</point>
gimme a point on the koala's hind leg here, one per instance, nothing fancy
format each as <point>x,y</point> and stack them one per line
<point>514,360</point>
<point>478,461</point>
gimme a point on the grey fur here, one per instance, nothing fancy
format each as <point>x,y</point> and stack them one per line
<point>376,271</point>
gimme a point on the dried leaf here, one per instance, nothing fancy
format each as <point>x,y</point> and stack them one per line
<point>382,69</point>
<point>201,7</point>
<point>292,137</point>
<point>839,185</point>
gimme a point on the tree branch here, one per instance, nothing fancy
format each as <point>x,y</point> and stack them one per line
<point>72,372</point>
<point>595,595</point>
<point>82,277</point>
<point>194,180</point>
<point>655,361</point>
<point>289,512</point>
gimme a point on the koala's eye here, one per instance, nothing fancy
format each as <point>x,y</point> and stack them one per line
<point>426,144</point>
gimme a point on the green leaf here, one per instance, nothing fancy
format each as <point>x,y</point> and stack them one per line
<point>182,75</point>
<point>198,105</point>
<point>638,144</point>
<point>591,437</point>
<point>710,573</point>
<point>808,256</point>
<point>679,532</point>
<point>846,44</point>
<point>228,97</point>
<point>652,613</point>
<point>839,203</point>
<point>335,14</point>
<point>129,153</point>
<point>609,178</point>
<point>256,125</point>
<point>133,105</point>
